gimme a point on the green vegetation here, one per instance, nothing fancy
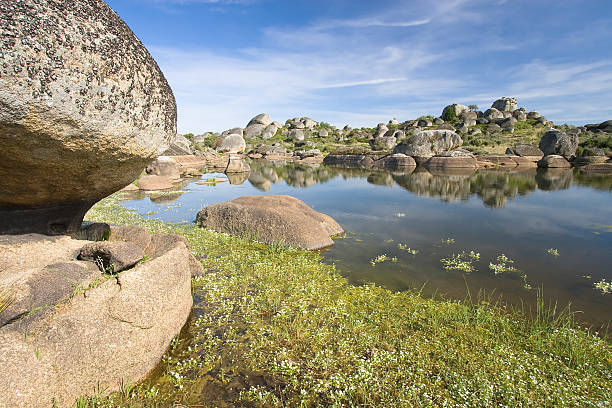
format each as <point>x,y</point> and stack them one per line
<point>275,327</point>
<point>503,265</point>
<point>604,286</point>
<point>461,262</point>
<point>450,116</point>
<point>600,141</point>
<point>553,251</point>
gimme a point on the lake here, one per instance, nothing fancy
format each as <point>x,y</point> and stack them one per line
<point>401,228</point>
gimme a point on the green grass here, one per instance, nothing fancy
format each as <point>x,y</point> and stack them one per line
<point>275,327</point>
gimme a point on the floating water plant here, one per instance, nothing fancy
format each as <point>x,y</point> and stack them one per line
<point>502,265</point>
<point>408,249</point>
<point>400,215</point>
<point>379,259</point>
<point>448,241</point>
<point>525,284</point>
<point>461,262</point>
<point>553,251</point>
<point>603,286</point>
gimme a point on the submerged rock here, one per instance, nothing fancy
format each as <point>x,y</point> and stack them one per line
<point>83,109</point>
<point>272,219</point>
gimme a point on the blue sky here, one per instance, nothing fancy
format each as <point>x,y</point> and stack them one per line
<point>364,62</point>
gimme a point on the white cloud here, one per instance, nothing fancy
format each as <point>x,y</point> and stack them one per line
<point>343,71</point>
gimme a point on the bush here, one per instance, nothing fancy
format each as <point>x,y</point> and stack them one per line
<point>449,115</point>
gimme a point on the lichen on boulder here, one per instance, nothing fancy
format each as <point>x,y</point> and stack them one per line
<point>83,109</point>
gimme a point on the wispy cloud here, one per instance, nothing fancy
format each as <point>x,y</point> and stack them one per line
<point>401,62</point>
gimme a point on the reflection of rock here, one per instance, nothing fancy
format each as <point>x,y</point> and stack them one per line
<point>258,181</point>
<point>237,178</point>
<point>584,160</point>
<point>495,187</point>
<point>272,219</point>
<point>600,181</point>
<point>601,168</point>
<point>553,179</point>
<point>165,198</point>
<point>381,179</point>
<point>444,187</point>
<point>237,165</point>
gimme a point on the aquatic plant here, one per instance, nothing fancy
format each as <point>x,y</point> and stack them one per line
<point>553,251</point>
<point>448,241</point>
<point>379,259</point>
<point>277,327</point>
<point>604,286</point>
<point>461,262</point>
<point>407,249</point>
<point>502,265</point>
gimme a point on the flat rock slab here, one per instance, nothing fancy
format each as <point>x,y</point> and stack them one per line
<point>272,219</point>
<point>71,328</point>
<point>554,161</point>
<point>507,160</point>
<point>451,163</point>
<point>155,183</point>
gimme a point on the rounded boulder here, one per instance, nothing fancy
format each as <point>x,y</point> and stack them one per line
<point>83,109</point>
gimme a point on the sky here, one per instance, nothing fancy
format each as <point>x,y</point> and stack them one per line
<point>362,62</point>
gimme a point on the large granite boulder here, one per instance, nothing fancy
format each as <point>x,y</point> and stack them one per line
<point>429,142</point>
<point>603,126</point>
<point>559,143</point>
<point>83,109</point>
<point>454,111</point>
<point>232,143</point>
<point>72,328</point>
<point>525,150</point>
<point>254,130</point>
<point>271,219</point>
<point>383,143</point>
<point>164,166</point>
<point>505,104</point>
<point>261,119</point>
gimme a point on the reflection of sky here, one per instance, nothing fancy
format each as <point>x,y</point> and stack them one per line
<point>523,230</point>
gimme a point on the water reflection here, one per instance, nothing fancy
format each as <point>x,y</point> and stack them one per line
<point>493,186</point>
<point>535,210</point>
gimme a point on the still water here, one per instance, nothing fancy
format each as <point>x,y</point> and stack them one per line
<point>529,216</point>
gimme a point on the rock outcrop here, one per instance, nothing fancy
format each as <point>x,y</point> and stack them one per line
<point>272,219</point>
<point>72,328</point>
<point>429,142</point>
<point>83,109</point>
<point>559,143</point>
